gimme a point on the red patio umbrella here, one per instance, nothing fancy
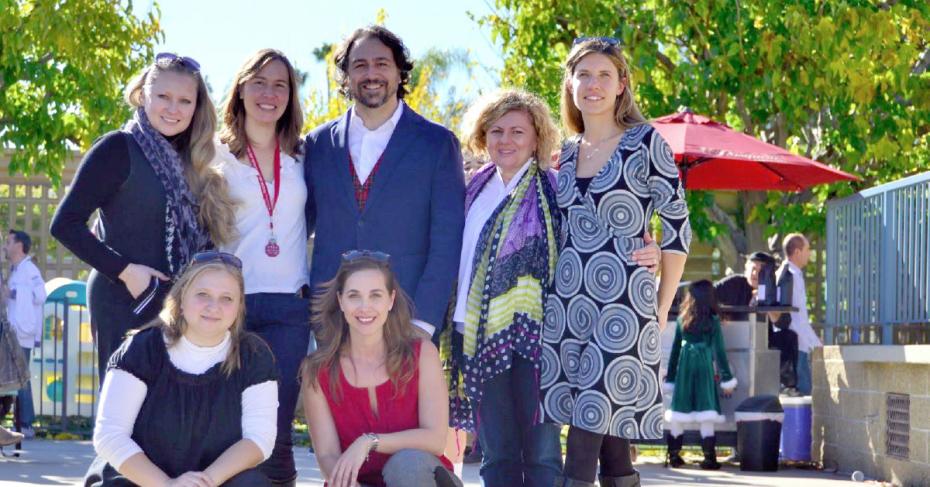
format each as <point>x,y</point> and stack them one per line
<point>711,155</point>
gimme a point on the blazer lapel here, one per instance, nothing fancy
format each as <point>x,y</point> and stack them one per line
<point>402,140</point>
<point>340,166</point>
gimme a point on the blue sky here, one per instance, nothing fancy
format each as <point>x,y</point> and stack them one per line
<point>222,34</point>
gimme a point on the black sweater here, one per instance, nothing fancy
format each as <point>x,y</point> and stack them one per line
<point>116,178</point>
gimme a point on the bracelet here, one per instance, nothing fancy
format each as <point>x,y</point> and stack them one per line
<point>373,446</point>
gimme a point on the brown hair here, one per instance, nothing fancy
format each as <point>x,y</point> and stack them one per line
<point>332,330</point>
<point>171,319</point>
<point>288,126</point>
<point>196,148</point>
<point>626,111</point>
<point>398,49</point>
<point>491,108</point>
<point>699,306</point>
<point>792,243</point>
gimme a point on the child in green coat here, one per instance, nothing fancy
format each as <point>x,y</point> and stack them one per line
<point>691,377</point>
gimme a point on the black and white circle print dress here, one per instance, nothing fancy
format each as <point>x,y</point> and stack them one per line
<point>600,359</point>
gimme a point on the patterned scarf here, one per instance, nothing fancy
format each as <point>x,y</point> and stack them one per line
<point>512,272</point>
<point>183,235</point>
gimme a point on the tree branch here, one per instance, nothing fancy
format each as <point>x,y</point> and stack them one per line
<point>743,113</point>
<point>669,65</point>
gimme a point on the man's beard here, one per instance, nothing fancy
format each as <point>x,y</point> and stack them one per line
<point>374,100</point>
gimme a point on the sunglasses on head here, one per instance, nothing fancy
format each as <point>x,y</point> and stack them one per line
<point>354,255</point>
<point>216,256</point>
<point>611,41</point>
<point>186,61</point>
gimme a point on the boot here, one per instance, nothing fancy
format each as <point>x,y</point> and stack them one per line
<point>631,480</point>
<point>561,481</point>
<point>709,445</point>
<point>8,437</point>
<point>674,451</point>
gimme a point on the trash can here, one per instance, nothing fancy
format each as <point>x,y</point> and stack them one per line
<point>758,430</point>
<point>796,429</point>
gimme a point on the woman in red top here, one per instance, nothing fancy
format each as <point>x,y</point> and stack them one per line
<point>373,391</point>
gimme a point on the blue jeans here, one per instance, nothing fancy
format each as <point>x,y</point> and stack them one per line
<point>517,450</point>
<point>804,373</point>
<point>283,321</point>
<point>27,414</point>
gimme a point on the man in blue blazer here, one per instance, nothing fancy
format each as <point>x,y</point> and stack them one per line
<point>383,178</point>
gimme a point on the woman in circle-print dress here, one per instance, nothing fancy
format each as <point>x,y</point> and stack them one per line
<point>601,347</point>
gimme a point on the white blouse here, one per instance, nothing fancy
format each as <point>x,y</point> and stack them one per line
<point>481,209</point>
<point>286,272</point>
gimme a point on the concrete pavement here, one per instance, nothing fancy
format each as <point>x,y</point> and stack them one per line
<point>46,462</point>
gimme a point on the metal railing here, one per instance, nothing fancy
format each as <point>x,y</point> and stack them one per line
<point>878,265</point>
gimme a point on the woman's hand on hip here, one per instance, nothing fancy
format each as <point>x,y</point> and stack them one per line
<point>345,472</point>
<point>648,256</point>
<point>136,277</point>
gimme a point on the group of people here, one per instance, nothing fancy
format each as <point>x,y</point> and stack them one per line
<point>521,301</point>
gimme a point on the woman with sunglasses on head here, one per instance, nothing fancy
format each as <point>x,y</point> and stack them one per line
<point>601,337</point>
<point>373,392</point>
<point>259,155</point>
<point>159,201</point>
<point>191,399</point>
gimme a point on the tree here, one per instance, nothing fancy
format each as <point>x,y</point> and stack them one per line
<point>423,95</point>
<point>844,82</point>
<point>63,66</point>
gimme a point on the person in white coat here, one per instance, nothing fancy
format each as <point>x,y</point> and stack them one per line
<point>25,295</point>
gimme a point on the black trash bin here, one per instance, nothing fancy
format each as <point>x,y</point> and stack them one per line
<point>758,431</point>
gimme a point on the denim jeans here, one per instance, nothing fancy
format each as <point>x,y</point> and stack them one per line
<point>517,450</point>
<point>283,321</point>
<point>410,467</point>
<point>804,373</point>
<point>27,413</point>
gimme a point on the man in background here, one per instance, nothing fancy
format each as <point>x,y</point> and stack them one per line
<point>25,296</point>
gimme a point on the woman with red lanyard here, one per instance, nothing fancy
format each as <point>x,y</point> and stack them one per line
<point>259,156</point>
<point>374,394</point>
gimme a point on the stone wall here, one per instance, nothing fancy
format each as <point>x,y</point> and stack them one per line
<point>850,390</point>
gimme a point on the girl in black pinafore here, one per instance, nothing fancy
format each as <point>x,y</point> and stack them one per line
<point>158,200</point>
<point>191,399</point>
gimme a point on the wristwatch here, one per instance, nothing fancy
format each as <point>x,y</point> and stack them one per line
<point>374,441</point>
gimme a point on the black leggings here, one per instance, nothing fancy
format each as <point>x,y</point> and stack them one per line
<point>585,448</point>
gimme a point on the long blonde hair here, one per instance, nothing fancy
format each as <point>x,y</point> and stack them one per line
<point>288,126</point>
<point>171,319</point>
<point>626,111</point>
<point>491,108</point>
<point>332,330</point>
<point>196,147</point>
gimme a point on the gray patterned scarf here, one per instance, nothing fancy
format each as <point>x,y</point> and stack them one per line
<point>183,235</point>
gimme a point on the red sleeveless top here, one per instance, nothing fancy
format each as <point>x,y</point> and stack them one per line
<point>353,415</point>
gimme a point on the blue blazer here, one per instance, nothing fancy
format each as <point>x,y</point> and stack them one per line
<point>415,209</point>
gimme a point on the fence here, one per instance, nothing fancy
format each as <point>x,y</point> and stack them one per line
<point>878,265</point>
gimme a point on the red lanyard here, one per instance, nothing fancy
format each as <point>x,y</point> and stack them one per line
<point>269,204</point>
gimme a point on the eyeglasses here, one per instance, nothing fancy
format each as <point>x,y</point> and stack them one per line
<point>216,256</point>
<point>611,41</point>
<point>353,255</point>
<point>186,61</point>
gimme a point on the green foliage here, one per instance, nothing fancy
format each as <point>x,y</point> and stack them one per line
<point>62,69</point>
<point>844,82</point>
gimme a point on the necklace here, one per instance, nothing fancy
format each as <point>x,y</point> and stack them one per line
<point>594,148</point>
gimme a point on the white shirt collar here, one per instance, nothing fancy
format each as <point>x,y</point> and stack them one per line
<point>516,177</point>
<point>191,347</point>
<point>357,125</point>
<point>795,269</point>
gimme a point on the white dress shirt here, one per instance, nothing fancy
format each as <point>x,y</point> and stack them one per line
<point>27,296</point>
<point>800,321</point>
<point>491,196</point>
<point>286,272</point>
<point>366,146</point>
<point>123,394</point>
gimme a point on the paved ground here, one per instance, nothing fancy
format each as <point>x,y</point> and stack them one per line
<point>63,463</point>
